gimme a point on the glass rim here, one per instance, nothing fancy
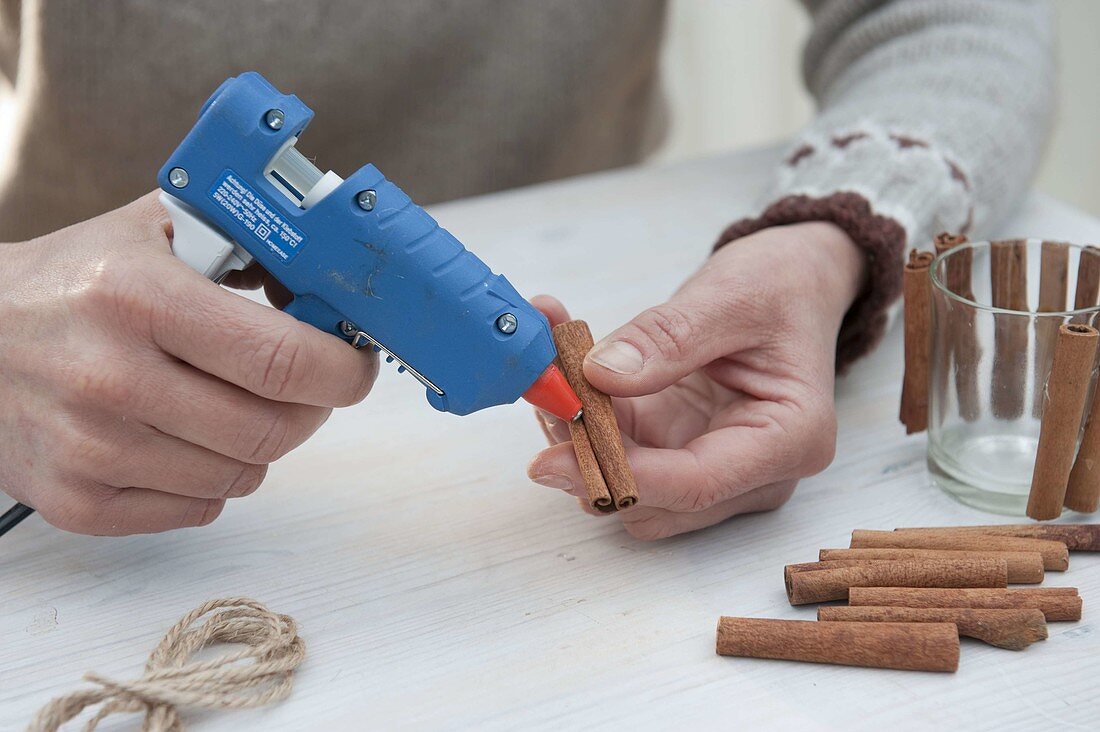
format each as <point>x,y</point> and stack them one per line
<point>951,294</point>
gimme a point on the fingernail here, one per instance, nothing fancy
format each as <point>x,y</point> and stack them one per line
<point>617,356</point>
<point>561,482</point>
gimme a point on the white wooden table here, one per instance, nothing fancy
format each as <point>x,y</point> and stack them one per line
<point>437,588</point>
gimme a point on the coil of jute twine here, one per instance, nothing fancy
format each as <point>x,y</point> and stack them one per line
<point>259,673</point>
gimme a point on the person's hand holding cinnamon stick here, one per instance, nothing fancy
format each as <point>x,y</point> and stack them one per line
<point>725,392</point>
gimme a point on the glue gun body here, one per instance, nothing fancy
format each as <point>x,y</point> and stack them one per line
<point>362,260</point>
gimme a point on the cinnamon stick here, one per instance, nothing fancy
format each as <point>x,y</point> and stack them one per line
<point>1018,297</point>
<point>574,341</point>
<point>599,497</point>
<point>918,342</point>
<point>806,585</point>
<point>1083,489</point>
<point>1055,554</point>
<point>1053,273</point>
<point>1003,628</point>
<point>1067,387</point>
<point>945,241</point>
<point>1023,567</point>
<point>1057,603</point>
<point>962,337</point>
<point>1008,269</point>
<point>1076,537</point>
<point>1088,282</point>
<point>827,563</point>
<point>906,646</point>
<point>942,337</point>
<point>1053,285</point>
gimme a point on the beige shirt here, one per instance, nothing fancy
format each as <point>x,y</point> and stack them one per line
<point>449,99</point>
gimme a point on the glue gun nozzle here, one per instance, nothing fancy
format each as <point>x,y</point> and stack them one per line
<point>552,393</point>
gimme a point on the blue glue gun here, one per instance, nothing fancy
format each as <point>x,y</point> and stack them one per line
<point>362,261</point>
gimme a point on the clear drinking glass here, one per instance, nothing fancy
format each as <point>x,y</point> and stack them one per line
<point>989,367</point>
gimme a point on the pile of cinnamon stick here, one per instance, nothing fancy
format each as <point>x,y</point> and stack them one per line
<point>1064,474</point>
<point>912,592</point>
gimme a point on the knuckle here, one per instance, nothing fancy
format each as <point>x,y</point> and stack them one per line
<point>788,454</point>
<point>818,458</point>
<point>668,329</point>
<point>50,505</point>
<point>649,528</point>
<point>139,221</point>
<point>817,442</point>
<point>789,434</point>
<point>118,290</point>
<point>89,455</point>
<point>200,512</point>
<point>709,489</point>
<point>780,494</point>
<point>211,511</point>
<point>279,367</point>
<point>698,497</point>
<point>99,382</point>
<point>151,220</point>
<point>267,438</point>
<point>66,518</point>
<point>145,228</point>
<point>246,481</point>
<point>81,510</point>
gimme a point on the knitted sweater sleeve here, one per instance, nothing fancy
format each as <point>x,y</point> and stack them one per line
<point>932,117</point>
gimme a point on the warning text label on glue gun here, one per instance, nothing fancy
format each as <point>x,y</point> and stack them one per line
<point>255,214</point>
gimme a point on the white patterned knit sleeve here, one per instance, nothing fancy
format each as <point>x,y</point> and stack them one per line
<point>932,117</point>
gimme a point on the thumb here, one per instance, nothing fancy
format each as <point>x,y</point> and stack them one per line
<point>662,345</point>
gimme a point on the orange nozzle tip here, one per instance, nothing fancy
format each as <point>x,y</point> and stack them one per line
<point>552,393</point>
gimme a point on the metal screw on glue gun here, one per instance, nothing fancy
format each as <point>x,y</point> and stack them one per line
<point>178,177</point>
<point>366,199</point>
<point>507,324</point>
<point>359,339</point>
<point>275,119</point>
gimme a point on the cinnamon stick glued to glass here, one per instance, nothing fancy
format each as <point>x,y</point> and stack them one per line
<point>1088,282</point>
<point>1008,270</point>
<point>574,341</point>
<point>1053,286</point>
<point>918,342</point>
<point>963,339</point>
<point>1083,490</point>
<point>1067,387</point>
<point>906,646</point>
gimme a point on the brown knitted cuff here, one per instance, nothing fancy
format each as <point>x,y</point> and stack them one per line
<point>883,240</point>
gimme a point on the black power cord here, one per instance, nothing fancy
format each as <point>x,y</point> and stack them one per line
<point>13,516</point>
